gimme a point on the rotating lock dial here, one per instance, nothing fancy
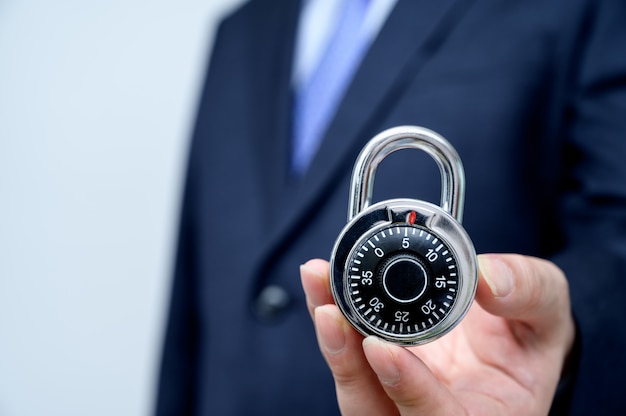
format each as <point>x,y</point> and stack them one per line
<point>403,280</point>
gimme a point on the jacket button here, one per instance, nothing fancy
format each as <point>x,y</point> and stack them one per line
<point>271,302</point>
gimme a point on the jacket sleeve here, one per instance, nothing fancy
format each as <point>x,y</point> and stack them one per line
<point>593,210</point>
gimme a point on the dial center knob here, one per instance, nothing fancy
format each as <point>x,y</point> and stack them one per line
<point>404,278</point>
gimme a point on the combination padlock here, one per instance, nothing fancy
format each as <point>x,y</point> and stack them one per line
<point>405,270</point>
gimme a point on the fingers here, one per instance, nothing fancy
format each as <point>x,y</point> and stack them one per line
<point>358,391</point>
<point>357,387</point>
<point>315,276</point>
<point>526,289</point>
<point>407,380</point>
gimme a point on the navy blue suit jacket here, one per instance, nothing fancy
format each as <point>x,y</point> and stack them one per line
<point>533,96</point>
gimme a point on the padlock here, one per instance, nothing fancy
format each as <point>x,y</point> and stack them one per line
<point>405,270</point>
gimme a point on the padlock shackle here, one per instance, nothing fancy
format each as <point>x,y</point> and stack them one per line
<point>408,137</point>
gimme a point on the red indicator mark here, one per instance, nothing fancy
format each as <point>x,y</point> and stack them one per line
<point>411,218</point>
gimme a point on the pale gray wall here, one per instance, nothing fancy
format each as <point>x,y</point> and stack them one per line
<point>96,103</point>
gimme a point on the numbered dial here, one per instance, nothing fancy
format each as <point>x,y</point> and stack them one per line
<point>403,280</point>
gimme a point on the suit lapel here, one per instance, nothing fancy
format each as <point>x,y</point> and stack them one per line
<point>412,34</point>
<point>414,31</point>
<point>271,36</point>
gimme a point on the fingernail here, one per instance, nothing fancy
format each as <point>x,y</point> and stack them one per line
<point>311,270</point>
<point>331,333</point>
<point>497,274</point>
<point>382,361</point>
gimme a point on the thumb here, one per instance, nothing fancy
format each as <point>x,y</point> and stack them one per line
<point>526,289</point>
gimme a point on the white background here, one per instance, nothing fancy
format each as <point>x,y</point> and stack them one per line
<point>97,100</point>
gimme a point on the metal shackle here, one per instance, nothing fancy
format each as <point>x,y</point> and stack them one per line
<point>408,137</point>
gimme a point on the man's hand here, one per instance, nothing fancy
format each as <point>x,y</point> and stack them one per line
<point>504,358</point>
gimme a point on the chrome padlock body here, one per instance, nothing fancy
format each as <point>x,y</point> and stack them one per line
<point>405,270</point>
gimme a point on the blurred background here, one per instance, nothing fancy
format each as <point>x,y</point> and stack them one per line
<point>97,100</point>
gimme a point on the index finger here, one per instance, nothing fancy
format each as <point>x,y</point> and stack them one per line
<point>315,277</point>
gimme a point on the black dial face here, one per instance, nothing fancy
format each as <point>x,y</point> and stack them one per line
<point>401,280</point>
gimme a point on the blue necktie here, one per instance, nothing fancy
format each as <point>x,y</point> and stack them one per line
<point>318,99</point>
